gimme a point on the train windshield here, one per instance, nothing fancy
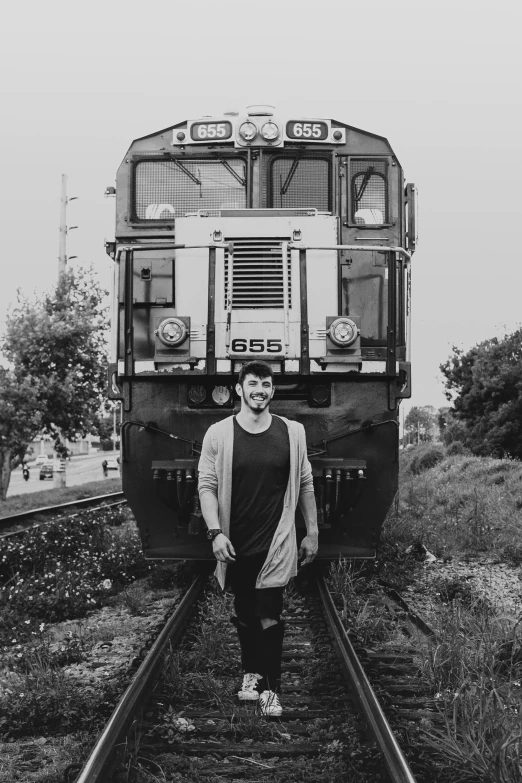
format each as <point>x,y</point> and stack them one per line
<point>166,189</point>
<point>299,182</point>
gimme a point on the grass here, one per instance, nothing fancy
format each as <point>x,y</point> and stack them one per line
<point>48,575</point>
<point>463,505</point>
<point>53,497</point>
<point>476,670</point>
<point>460,506</point>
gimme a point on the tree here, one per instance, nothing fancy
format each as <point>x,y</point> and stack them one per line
<point>421,424</point>
<point>485,386</point>
<point>20,421</point>
<point>60,340</point>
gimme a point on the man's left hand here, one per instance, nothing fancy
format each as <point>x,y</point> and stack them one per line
<point>308,549</point>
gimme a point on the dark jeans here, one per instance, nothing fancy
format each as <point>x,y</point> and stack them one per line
<point>250,602</point>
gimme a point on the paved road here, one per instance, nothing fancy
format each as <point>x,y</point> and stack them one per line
<point>80,470</point>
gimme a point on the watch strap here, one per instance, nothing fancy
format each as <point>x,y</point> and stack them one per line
<point>211,534</point>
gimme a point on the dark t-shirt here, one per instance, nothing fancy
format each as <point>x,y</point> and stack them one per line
<point>260,471</point>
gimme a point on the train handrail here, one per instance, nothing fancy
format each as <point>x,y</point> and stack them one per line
<point>128,252</point>
<point>229,295</point>
<point>286,302</point>
<point>372,248</point>
<point>291,245</point>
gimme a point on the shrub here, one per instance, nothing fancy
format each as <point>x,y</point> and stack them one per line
<point>456,448</point>
<point>62,570</point>
<point>425,457</point>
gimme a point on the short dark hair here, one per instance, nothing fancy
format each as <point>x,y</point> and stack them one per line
<point>258,368</point>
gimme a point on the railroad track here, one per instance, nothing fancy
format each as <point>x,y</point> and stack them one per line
<point>328,700</point>
<point>35,517</point>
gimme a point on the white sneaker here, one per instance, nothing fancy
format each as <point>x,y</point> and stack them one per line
<point>248,690</point>
<point>270,704</point>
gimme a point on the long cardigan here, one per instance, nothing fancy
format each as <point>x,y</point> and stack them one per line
<point>215,476</point>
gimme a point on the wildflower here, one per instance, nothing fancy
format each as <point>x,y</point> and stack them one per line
<point>27,622</point>
<point>41,627</point>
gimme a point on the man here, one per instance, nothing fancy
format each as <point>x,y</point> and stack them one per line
<point>253,471</point>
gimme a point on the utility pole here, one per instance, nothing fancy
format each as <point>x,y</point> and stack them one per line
<point>59,474</point>
<point>62,249</point>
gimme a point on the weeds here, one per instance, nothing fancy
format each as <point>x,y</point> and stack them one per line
<point>63,570</point>
<point>475,669</point>
<point>461,504</point>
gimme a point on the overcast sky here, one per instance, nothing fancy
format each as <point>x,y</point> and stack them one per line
<point>440,80</point>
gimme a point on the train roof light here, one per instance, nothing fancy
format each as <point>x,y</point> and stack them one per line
<point>171,332</point>
<point>343,332</point>
<point>270,131</point>
<point>248,131</point>
<point>260,110</point>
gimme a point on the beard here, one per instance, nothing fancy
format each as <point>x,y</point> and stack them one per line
<point>257,405</point>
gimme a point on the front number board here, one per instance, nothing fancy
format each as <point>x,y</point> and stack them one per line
<point>298,129</point>
<point>208,131</point>
<point>242,345</point>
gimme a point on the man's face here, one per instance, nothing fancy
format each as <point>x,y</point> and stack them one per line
<point>256,393</point>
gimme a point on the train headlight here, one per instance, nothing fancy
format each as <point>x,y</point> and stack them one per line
<point>248,131</point>
<point>220,395</point>
<point>343,332</point>
<point>172,332</point>
<point>270,131</point>
<point>197,394</point>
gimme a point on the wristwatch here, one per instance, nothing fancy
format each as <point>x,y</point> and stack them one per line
<point>211,534</point>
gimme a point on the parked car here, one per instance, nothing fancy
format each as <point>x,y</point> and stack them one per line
<point>43,459</point>
<point>112,464</point>
<point>46,471</point>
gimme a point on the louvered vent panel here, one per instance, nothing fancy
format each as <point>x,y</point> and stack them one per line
<point>258,273</point>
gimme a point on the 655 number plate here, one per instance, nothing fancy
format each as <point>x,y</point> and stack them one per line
<point>242,345</point>
<point>298,129</point>
<point>210,131</point>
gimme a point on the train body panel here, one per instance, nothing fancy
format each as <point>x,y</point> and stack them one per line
<point>352,500</point>
<point>295,250</point>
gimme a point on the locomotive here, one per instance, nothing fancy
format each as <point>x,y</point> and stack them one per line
<point>261,236</point>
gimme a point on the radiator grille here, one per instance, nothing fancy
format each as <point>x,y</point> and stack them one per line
<point>258,273</point>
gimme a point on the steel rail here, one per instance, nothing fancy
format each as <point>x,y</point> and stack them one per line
<point>84,502</point>
<point>35,525</point>
<point>413,617</point>
<point>115,734</point>
<point>394,759</point>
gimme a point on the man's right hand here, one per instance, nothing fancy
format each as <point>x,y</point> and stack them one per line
<point>223,549</point>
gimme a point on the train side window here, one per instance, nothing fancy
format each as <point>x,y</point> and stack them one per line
<point>298,182</point>
<point>368,192</point>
